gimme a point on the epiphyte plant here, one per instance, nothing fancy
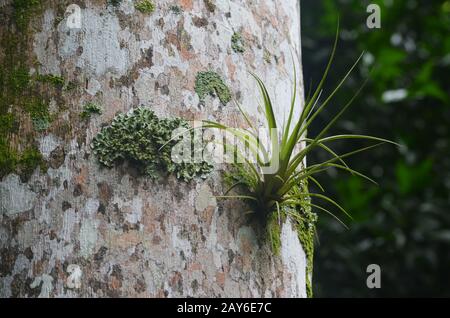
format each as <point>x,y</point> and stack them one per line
<point>283,192</point>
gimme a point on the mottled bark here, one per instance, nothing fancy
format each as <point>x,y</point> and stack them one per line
<point>77,229</point>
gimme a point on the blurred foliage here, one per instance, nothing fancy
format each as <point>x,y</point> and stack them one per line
<point>403,224</point>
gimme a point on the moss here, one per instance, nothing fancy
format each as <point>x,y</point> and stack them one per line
<point>18,80</point>
<point>305,223</point>
<point>237,43</point>
<point>306,228</point>
<point>210,5</point>
<point>138,138</point>
<point>145,6</point>
<point>176,9</point>
<point>71,85</point>
<point>273,227</point>
<point>30,159</point>
<point>306,231</point>
<point>19,92</point>
<point>7,124</point>
<point>89,109</point>
<point>23,11</point>
<point>8,158</point>
<point>54,80</point>
<point>39,114</point>
<point>211,83</point>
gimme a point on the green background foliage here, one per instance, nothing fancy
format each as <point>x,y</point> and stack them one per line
<point>403,224</point>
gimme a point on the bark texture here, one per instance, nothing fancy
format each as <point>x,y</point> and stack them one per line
<point>76,229</point>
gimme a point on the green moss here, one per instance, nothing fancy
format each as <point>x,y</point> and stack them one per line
<point>306,228</point>
<point>70,86</point>
<point>24,164</point>
<point>306,231</point>
<point>138,138</point>
<point>8,158</point>
<point>304,221</point>
<point>18,80</point>
<point>273,227</point>
<point>39,114</point>
<point>211,83</point>
<point>55,80</point>
<point>7,124</point>
<point>237,43</point>
<point>176,9</point>
<point>23,11</point>
<point>30,159</point>
<point>19,91</point>
<point>90,109</point>
<point>145,6</point>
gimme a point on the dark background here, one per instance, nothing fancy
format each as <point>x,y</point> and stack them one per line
<point>404,223</point>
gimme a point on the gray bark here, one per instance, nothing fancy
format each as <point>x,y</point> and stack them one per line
<point>81,230</point>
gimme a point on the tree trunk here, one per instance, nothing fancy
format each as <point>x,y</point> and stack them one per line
<point>70,228</point>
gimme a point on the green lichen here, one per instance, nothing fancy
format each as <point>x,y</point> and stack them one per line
<point>138,138</point>
<point>145,6</point>
<point>211,83</point>
<point>41,123</point>
<point>176,9</point>
<point>90,109</point>
<point>237,43</point>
